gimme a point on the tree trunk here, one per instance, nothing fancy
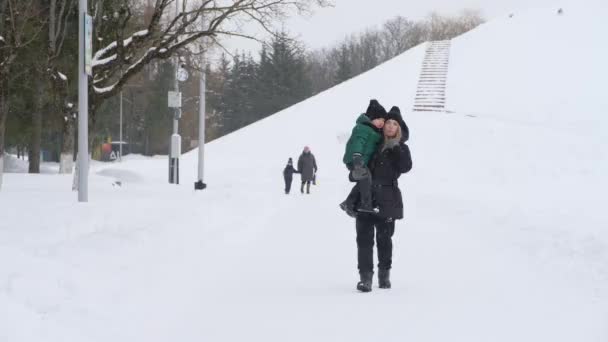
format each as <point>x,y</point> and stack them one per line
<point>66,162</point>
<point>75,178</point>
<point>146,144</point>
<point>59,93</point>
<point>3,116</point>
<point>36,137</point>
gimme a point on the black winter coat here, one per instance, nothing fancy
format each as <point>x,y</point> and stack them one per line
<point>307,166</point>
<point>289,171</point>
<point>386,167</point>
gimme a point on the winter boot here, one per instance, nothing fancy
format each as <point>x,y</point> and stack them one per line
<point>384,281</point>
<point>302,188</point>
<point>365,285</point>
<point>349,208</point>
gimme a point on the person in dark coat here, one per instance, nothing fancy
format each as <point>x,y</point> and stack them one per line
<point>392,159</point>
<point>307,166</point>
<point>288,175</point>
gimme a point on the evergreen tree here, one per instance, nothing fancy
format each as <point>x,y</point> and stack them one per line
<point>283,75</point>
<point>158,117</point>
<point>265,90</point>
<point>344,67</point>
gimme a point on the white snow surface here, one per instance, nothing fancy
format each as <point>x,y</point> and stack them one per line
<point>12,164</point>
<point>505,236</point>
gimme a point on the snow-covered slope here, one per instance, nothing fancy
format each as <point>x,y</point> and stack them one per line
<point>505,236</point>
<point>536,68</point>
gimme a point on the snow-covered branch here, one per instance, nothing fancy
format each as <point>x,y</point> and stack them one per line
<point>99,59</point>
<point>120,60</point>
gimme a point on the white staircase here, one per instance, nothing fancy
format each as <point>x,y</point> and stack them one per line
<point>430,95</point>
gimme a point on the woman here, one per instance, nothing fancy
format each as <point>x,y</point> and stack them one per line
<point>392,159</point>
<point>307,166</point>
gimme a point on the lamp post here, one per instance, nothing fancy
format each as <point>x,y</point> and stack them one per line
<point>84,70</point>
<point>199,184</point>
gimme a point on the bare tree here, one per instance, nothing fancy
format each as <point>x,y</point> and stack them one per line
<point>396,37</point>
<point>442,28</point>
<point>369,46</point>
<point>19,27</point>
<point>59,13</point>
<point>166,33</point>
<point>469,19</point>
<point>438,27</point>
<point>50,86</point>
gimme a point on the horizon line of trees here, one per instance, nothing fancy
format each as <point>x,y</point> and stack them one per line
<point>244,89</point>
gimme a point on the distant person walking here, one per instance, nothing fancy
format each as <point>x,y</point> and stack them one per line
<point>307,166</point>
<point>288,175</point>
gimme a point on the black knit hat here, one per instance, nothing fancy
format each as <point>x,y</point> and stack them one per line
<point>395,114</point>
<point>375,110</point>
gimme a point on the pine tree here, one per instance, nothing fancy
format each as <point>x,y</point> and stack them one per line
<point>283,74</point>
<point>344,67</point>
<point>157,120</point>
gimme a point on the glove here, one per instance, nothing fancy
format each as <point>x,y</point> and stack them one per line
<point>357,160</point>
<point>359,171</point>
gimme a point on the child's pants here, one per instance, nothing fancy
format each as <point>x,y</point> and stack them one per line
<point>288,181</point>
<point>363,189</point>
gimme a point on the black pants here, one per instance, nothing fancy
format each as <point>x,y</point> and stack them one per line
<point>307,183</point>
<point>365,243</point>
<point>288,181</point>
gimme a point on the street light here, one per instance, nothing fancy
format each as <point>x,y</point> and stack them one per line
<point>199,184</point>
<point>84,70</point>
<point>120,133</point>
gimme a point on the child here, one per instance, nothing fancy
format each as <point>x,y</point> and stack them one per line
<point>361,146</point>
<point>288,175</point>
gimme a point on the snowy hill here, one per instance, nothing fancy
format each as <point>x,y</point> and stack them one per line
<point>505,236</point>
<point>537,67</point>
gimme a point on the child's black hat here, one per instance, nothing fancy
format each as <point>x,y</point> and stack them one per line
<point>375,110</point>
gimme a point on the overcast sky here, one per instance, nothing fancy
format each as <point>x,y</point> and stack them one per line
<point>330,25</point>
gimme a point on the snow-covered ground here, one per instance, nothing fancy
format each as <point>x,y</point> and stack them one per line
<point>505,236</point>
<point>12,164</point>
